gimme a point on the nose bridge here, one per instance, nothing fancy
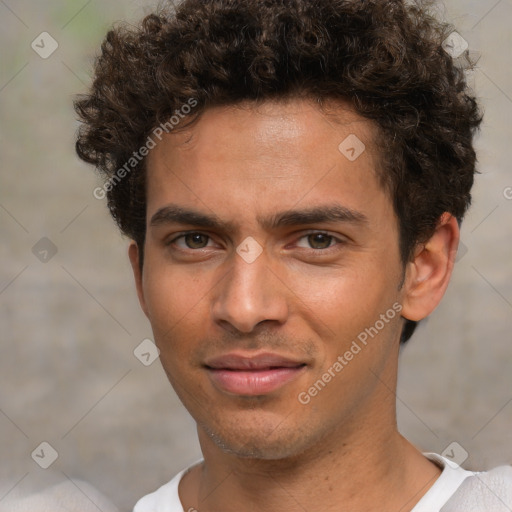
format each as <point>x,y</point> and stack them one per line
<point>250,292</point>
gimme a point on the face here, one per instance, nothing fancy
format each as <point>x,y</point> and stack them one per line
<point>272,275</point>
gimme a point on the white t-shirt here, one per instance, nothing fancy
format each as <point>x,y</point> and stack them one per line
<point>456,490</point>
<point>67,496</point>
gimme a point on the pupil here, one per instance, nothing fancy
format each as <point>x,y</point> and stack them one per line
<point>319,237</point>
<point>195,239</point>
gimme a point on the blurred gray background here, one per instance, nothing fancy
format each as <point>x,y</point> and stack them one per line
<point>70,321</point>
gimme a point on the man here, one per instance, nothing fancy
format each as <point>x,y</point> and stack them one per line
<point>292,174</point>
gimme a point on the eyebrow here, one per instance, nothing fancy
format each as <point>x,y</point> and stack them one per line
<point>175,214</point>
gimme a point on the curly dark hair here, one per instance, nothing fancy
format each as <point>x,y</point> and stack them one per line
<point>383,56</point>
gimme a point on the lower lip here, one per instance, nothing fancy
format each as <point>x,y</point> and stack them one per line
<point>255,382</point>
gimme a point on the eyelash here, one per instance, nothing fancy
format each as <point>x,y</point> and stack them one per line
<point>328,235</point>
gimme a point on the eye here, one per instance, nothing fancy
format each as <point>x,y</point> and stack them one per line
<point>192,240</point>
<point>318,241</point>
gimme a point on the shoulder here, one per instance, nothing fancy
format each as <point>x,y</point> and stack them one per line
<point>166,497</point>
<point>483,492</point>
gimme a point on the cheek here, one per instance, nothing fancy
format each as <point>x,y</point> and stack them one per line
<point>175,300</point>
<point>177,309</point>
<point>345,295</point>
<point>344,308</point>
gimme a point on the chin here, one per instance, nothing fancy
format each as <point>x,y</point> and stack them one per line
<point>254,440</point>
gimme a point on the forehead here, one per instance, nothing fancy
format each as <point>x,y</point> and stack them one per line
<point>276,125</point>
<point>272,153</point>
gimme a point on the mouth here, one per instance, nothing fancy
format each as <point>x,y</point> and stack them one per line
<point>252,375</point>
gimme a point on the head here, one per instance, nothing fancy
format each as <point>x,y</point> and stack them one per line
<point>258,99</point>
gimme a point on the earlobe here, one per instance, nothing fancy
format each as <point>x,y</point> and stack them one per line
<point>134,255</point>
<point>428,274</point>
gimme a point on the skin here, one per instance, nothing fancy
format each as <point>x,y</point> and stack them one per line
<point>303,297</point>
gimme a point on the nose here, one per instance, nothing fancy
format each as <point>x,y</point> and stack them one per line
<point>249,294</point>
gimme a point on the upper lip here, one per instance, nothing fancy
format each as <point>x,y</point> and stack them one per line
<point>263,361</point>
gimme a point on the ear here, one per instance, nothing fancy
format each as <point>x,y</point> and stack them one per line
<point>428,274</point>
<point>134,255</point>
